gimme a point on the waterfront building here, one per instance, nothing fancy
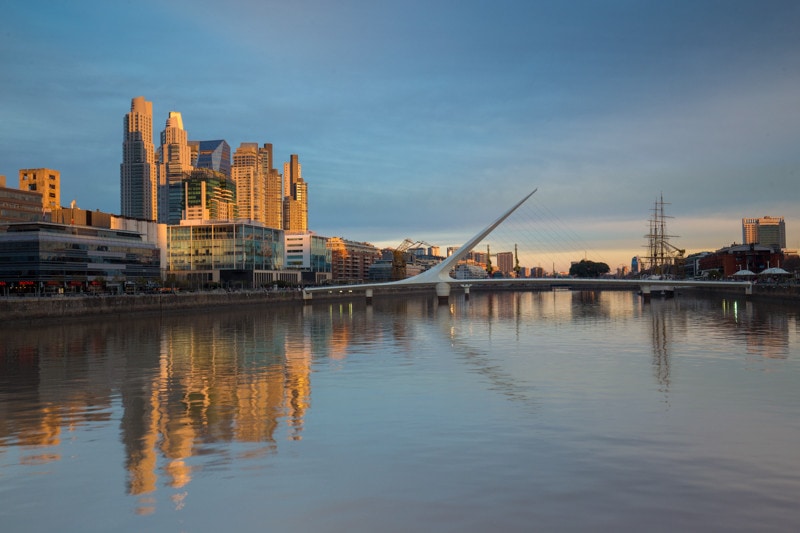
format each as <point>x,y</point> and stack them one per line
<point>308,252</point>
<point>208,195</point>
<point>350,260</point>
<point>295,200</point>
<point>41,257</point>
<point>214,155</point>
<point>174,164</point>
<point>138,174</point>
<point>238,253</point>
<point>46,182</point>
<point>470,271</point>
<point>273,187</point>
<point>19,206</point>
<point>505,263</point>
<point>731,259</point>
<point>250,184</point>
<point>766,231</point>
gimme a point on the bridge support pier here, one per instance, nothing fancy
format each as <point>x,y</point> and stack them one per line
<point>466,291</point>
<point>645,293</point>
<point>306,297</point>
<point>443,292</point>
<point>368,293</point>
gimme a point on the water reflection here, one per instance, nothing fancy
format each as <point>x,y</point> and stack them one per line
<point>204,391</point>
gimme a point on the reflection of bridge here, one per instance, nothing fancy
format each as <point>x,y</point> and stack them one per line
<point>439,275</point>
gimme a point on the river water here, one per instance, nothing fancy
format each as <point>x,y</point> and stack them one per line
<point>517,411</point>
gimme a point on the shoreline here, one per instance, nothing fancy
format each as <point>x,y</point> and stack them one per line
<point>56,308</point>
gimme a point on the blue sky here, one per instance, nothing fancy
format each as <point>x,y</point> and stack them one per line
<point>426,119</point>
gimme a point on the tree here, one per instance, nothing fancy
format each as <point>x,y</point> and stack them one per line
<point>588,269</point>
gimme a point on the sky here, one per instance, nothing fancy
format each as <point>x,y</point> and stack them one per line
<point>428,119</point>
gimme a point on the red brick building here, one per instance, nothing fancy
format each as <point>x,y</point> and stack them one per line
<point>738,257</point>
<point>350,261</point>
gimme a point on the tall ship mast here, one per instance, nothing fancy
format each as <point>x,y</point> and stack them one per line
<point>663,258</point>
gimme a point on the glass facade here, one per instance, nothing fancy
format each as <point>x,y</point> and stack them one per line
<point>48,254</point>
<point>224,246</point>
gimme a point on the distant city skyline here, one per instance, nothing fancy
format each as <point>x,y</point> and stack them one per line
<point>440,118</point>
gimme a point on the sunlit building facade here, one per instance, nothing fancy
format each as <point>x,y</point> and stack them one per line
<point>766,231</point>
<point>308,252</point>
<point>273,188</point>
<point>250,185</point>
<point>221,252</point>
<point>46,182</point>
<point>138,174</point>
<point>295,201</point>
<point>174,164</point>
<point>350,260</point>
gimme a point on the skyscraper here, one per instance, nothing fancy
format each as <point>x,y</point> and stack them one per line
<point>215,155</point>
<point>766,231</point>
<point>175,163</point>
<point>138,176</point>
<point>273,189</point>
<point>247,175</point>
<point>295,200</point>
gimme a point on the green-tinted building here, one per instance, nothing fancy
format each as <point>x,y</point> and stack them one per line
<point>225,252</point>
<point>208,195</point>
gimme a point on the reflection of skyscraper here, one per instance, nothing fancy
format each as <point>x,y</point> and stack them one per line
<point>138,179</point>
<point>295,200</point>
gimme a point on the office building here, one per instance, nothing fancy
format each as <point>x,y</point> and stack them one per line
<point>766,231</point>
<point>214,155</point>
<point>174,164</point>
<point>138,174</point>
<point>238,254</point>
<point>250,185</point>
<point>41,257</point>
<point>273,203</point>
<point>19,206</point>
<point>208,195</point>
<point>295,200</point>
<point>46,182</point>
<point>308,252</point>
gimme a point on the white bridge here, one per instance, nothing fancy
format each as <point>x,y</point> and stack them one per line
<point>439,276</point>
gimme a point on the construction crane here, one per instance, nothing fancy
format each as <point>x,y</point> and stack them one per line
<point>400,259</point>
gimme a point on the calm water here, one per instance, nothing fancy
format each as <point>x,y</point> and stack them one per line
<point>556,411</point>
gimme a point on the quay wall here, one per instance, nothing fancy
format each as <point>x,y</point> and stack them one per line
<point>13,309</point>
<point>111,307</point>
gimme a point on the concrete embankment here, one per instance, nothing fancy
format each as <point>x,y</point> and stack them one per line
<point>111,307</point>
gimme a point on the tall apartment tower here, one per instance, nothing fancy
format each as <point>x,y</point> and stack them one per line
<point>46,182</point>
<point>138,175</point>
<point>273,217</point>
<point>174,164</point>
<point>295,200</point>
<point>250,186</point>
<point>766,231</point>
